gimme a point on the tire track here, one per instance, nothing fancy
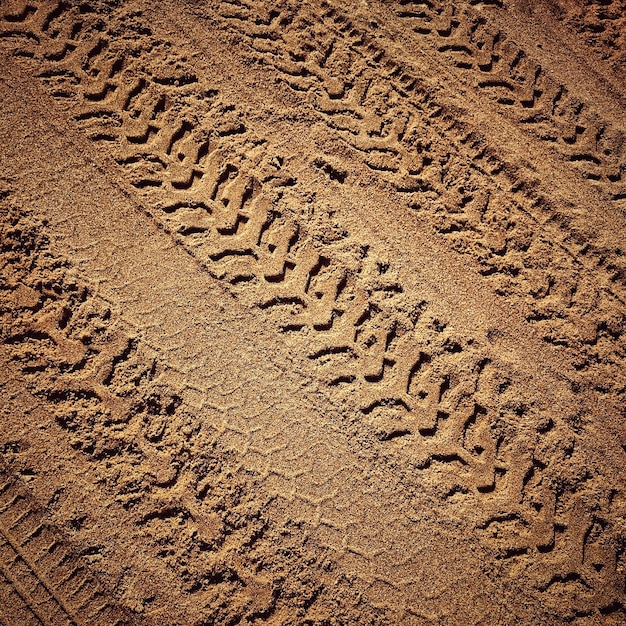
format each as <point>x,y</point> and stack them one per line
<point>214,489</point>
<point>518,83</point>
<point>38,567</point>
<point>116,405</point>
<point>503,226</point>
<point>237,218</point>
<point>233,220</point>
<point>464,36</point>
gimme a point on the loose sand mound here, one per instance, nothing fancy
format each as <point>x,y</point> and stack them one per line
<point>312,313</point>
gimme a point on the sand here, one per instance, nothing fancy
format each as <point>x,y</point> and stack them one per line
<point>312,313</point>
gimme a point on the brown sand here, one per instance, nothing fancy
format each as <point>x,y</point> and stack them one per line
<point>312,312</point>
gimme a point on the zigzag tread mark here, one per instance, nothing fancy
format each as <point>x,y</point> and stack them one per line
<point>385,151</point>
<point>501,64</point>
<point>290,274</point>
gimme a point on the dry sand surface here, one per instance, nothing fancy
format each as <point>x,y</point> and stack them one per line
<point>312,312</point>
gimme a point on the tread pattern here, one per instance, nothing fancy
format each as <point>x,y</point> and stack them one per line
<point>600,25</point>
<point>203,490</point>
<point>402,133</point>
<point>478,217</point>
<point>41,580</point>
<point>518,82</point>
<point>243,221</point>
<point>237,219</point>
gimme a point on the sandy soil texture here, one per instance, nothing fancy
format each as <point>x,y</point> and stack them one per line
<point>312,313</point>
